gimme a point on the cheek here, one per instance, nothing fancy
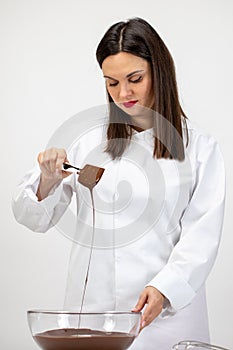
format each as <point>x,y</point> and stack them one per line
<point>148,92</point>
<point>111,94</point>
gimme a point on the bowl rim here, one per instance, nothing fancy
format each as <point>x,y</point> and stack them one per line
<point>70,312</point>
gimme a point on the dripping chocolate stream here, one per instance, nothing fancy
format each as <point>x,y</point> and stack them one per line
<point>90,255</point>
<point>89,176</point>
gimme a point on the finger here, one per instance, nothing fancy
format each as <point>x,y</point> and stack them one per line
<point>153,309</point>
<point>40,158</point>
<point>141,302</point>
<point>42,163</point>
<point>149,315</point>
<point>47,162</point>
<point>51,157</point>
<point>44,160</point>
<point>61,158</point>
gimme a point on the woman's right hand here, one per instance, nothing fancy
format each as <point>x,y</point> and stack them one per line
<point>50,162</point>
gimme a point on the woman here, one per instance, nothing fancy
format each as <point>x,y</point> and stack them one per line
<point>160,202</point>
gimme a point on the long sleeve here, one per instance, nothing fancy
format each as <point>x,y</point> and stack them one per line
<point>201,224</point>
<point>39,216</point>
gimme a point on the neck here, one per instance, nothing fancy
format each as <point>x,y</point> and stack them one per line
<point>141,123</point>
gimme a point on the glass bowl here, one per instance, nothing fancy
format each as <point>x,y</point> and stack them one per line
<point>67,330</point>
<point>196,345</point>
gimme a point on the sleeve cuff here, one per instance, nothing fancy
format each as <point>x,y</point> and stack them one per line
<point>172,285</point>
<point>52,198</point>
<point>50,201</point>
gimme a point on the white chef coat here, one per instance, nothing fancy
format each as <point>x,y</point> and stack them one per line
<point>163,217</point>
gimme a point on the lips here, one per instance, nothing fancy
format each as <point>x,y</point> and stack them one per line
<point>130,104</point>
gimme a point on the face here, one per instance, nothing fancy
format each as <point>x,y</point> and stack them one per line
<point>129,82</point>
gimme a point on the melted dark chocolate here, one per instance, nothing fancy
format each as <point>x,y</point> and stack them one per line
<point>83,339</point>
<point>90,175</point>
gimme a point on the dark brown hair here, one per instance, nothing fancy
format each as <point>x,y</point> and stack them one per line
<point>139,38</point>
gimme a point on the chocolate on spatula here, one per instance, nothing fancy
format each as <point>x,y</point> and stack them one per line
<point>90,175</point>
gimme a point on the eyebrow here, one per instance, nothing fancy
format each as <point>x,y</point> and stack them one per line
<point>127,76</point>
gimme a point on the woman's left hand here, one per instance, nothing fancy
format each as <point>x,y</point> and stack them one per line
<point>154,300</point>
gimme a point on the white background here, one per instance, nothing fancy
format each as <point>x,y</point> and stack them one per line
<point>48,73</point>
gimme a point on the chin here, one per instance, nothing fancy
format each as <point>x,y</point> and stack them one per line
<point>136,111</point>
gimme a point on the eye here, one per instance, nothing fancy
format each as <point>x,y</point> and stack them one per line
<point>113,84</point>
<point>137,80</point>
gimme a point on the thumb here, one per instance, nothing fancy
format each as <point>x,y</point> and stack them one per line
<point>141,302</point>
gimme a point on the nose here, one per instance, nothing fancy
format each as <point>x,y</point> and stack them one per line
<point>125,92</point>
